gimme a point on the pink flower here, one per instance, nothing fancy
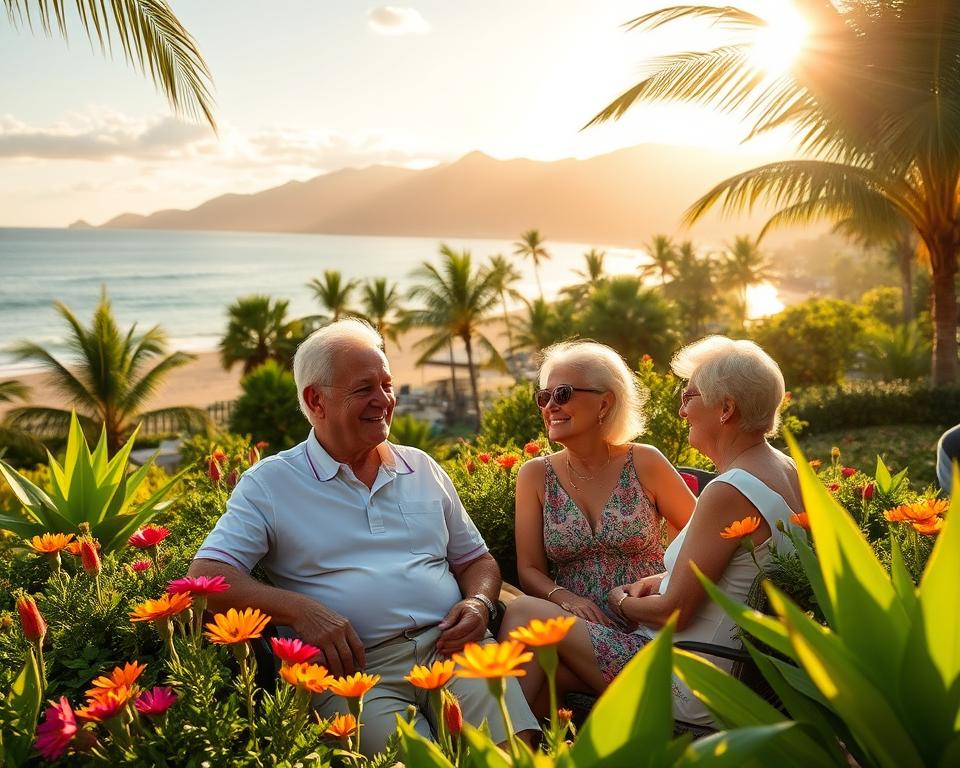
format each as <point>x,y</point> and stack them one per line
<point>198,586</point>
<point>149,536</point>
<point>692,483</point>
<point>848,471</point>
<point>57,730</point>
<point>531,449</point>
<point>292,650</point>
<point>155,702</point>
<point>141,565</point>
<point>867,491</point>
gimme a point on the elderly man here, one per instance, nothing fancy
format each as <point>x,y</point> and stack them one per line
<point>370,554</point>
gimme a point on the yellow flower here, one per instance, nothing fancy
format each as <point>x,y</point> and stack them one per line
<point>311,677</point>
<point>538,633</point>
<point>121,677</point>
<point>432,677</point>
<point>164,607</point>
<point>740,528</point>
<point>342,726</point>
<point>49,543</point>
<point>355,686</point>
<point>234,627</point>
<point>492,660</point>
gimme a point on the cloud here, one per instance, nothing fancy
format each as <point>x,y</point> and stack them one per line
<point>99,138</point>
<point>394,20</point>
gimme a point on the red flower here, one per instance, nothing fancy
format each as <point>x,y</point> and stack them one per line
<point>57,730</point>
<point>787,396</point>
<point>253,455</point>
<point>848,471</point>
<point>483,458</point>
<point>261,444</point>
<point>219,456</point>
<point>471,467</point>
<point>32,623</point>
<point>213,469</point>
<point>292,650</point>
<point>833,487</point>
<point>149,536</point>
<point>646,359</point>
<point>232,478</point>
<point>532,449</point>
<point>90,556</point>
<point>199,586</point>
<point>692,483</point>
<point>141,565</point>
<point>155,702</point>
<point>452,714</point>
<point>507,461</point>
<point>867,491</point>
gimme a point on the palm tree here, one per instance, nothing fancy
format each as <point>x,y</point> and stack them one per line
<point>382,308</point>
<point>505,276</point>
<point>593,276</point>
<point>112,377</point>
<point>10,437</point>
<point>333,293</point>
<point>530,245</point>
<point>744,264</point>
<point>12,390</point>
<point>873,98</point>
<point>693,289</point>
<point>546,324</point>
<point>457,302</point>
<point>257,331</point>
<point>151,36</point>
<point>663,255</point>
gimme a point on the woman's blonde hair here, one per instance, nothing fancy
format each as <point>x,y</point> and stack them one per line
<point>739,369</point>
<point>602,368</point>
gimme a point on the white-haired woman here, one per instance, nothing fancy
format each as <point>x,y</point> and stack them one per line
<point>588,518</point>
<point>731,402</point>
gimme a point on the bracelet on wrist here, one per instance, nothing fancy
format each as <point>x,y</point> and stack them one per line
<point>555,589</point>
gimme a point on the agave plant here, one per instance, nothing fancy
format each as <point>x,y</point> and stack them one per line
<point>86,488</point>
<point>881,682</point>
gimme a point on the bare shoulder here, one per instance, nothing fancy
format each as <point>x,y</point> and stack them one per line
<point>648,457</point>
<point>533,471</point>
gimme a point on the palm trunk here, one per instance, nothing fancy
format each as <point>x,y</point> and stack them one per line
<point>944,264</point>
<point>453,382</point>
<point>905,263</point>
<point>473,380</point>
<point>536,274</point>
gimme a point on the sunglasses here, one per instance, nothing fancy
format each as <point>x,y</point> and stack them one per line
<point>560,394</point>
<point>686,397</point>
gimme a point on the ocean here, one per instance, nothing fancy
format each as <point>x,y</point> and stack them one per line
<point>184,281</point>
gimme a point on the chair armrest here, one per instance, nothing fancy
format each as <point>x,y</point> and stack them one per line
<point>712,649</point>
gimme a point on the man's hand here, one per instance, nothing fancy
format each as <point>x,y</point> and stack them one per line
<point>342,651</point>
<point>465,623</point>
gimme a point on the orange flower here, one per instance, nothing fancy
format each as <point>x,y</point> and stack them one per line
<point>740,528</point>
<point>121,677</point>
<point>342,727</point>
<point>538,633</point>
<point>49,543</point>
<point>74,547</point>
<point>492,660</point>
<point>532,448</point>
<point>311,677</point>
<point>234,627</point>
<point>355,686</point>
<point>507,461</point>
<point>162,608</point>
<point>432,677</point>
<point>930,527</point>
<point>90,556</point>
<point>31,620</point>
<point>106,706</point>
<point>815,464</point>
<point>923,511</point>
<point>801,519</point>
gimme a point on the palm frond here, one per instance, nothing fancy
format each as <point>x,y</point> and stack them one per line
<point>722,16</point>
<point>64,380</point>
<point>146,386</point>
<point>44,422</point>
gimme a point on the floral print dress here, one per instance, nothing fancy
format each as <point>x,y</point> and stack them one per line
<point>625,547</point>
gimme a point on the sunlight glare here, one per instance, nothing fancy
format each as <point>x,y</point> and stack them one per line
<point>763,301</point>
<point>778,45</point>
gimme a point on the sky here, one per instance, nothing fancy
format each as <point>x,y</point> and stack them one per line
<point>304,87</point>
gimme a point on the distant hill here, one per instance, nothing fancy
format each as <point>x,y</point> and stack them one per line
<point>619,198</point>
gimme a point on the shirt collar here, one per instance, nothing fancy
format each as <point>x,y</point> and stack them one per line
<point>325,467</point>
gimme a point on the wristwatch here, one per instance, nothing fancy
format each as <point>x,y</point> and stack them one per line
<point>488,604</point>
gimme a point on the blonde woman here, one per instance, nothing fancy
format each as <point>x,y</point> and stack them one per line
<point>588,518</point>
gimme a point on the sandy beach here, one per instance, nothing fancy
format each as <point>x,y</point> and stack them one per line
<point>204,381</point>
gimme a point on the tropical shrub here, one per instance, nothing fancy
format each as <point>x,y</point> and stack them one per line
<point>407,429</point>
<point>896,352</point>
<point>513,418</point>
<point>268,409</point>
<point>88,489</point>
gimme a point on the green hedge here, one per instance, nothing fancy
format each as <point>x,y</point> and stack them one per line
<point>868,404</point>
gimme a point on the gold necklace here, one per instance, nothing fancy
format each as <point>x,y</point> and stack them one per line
<point>571,472</point>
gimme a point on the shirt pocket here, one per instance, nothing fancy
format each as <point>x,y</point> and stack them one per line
<point>426,527</point>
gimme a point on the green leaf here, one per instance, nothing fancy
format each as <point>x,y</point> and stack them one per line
<point>736,706</point>
<point>811,567</point>
<point>33,498</point>
<point>417,750</point>
<point>902,581</point>
<point>882,477</point>
<point>838,672</point>
<point>766,629</point>
<point>737,748</point>
<point>632,722</point>
<point>26,696</point>
<point>864,605</point>
<point>483,753</point>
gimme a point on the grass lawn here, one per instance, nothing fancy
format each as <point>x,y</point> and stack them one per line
<point>902,445</point>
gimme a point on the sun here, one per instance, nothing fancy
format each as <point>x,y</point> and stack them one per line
<point>777,45</point>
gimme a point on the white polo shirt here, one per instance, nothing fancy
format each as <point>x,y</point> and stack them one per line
<point>380,556</point>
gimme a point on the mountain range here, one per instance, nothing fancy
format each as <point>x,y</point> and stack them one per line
<point>619,198</point>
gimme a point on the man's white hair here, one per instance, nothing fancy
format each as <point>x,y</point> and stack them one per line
<point>313,364</point>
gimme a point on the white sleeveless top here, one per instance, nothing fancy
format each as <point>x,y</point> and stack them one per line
<point>711,624</point>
